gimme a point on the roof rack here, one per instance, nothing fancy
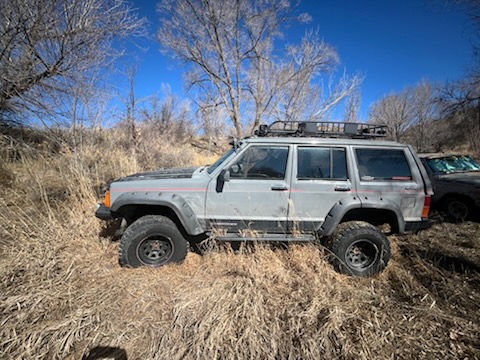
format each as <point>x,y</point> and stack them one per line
<point>322,129</point>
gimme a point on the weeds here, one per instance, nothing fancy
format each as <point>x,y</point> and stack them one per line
<point>64,296</point>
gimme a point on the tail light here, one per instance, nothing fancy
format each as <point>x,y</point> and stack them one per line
<point>426,206</point>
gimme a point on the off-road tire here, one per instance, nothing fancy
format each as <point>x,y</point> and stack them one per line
<point>359,249</point>
<point>152,240</point>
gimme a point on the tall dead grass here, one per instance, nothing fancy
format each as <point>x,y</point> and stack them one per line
<point>63,294</point>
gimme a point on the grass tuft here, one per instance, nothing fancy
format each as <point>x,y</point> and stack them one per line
<point>64,296</point>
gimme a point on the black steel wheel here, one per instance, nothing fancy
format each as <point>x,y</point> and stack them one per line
<point>152,240</point>
<point>154,250</point>
<point>359,248</point>
<point>361,254</point>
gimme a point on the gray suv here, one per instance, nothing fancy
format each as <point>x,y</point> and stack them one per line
<point>291,182</point>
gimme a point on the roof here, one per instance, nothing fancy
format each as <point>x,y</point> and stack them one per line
<point>438,155</point>
<point>326,141</point>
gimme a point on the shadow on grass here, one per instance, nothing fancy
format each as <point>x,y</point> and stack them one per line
<point>110,229</point>
<point>106,352</point>
<point>450,263</point>
<point>437,215</point>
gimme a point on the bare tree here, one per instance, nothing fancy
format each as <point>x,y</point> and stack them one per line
<point>47,46</point>
<point>461,100</point>
<point>284,89</point>
<point>472,9</point>
<point>168,117</point>
<point>220,38</point>
<point>131,104</point>
<point>230,47</point>
<point>213,122</point>
<point>352,107</point>
<point>410,115</point>
<point>131,107</point>
<point>425,112</point>
<point>337,91</point>
<point>395,111</point>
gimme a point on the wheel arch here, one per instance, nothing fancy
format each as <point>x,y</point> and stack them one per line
<point>455,195</point>
<point>353,210</point>
<point>374,216</point>
<point>135,205</point>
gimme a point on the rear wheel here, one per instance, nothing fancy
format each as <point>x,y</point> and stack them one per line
<point>359,249</point>
<point>457,208</point>
<point>152,240</point>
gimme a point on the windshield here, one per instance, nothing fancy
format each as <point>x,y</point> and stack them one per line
<point>452,164</point>
<point>220,161</point>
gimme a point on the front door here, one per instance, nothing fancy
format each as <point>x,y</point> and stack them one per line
<point>255,197</point>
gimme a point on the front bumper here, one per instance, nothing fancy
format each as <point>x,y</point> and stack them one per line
<point>103,212</point>
<point>415,226</point>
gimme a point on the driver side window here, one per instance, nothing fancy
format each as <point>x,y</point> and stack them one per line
<point>261,162</point>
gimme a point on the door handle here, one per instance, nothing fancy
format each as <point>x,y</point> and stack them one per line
<point>279,187</point>
<point>342,188</point>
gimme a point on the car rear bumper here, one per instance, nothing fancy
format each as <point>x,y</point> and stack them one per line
<point>415,226</point>
<point>103,212</point>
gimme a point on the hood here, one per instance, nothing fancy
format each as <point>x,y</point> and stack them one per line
<point>177,173</point>
<point>472,177</point>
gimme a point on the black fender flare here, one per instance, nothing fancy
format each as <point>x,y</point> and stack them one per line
<point>336,214</point>
<point>343,206</point>
<point>380,203</point>
<point>173,201</point>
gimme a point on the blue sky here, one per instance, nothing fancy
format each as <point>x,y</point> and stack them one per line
<point>393,43</point>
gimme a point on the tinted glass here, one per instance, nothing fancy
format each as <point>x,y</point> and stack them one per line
<point>339,164</point>
<point>321,163</point>
<point>261,162</point>
<point>220,161</point>
<point>376,164</point>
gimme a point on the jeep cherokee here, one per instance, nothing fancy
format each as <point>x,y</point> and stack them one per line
<point>292,181</point>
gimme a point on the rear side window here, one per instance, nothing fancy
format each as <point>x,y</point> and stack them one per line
<point>376,164</point>
<point>321,163</point>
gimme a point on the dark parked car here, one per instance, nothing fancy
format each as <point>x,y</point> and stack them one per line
<point>456,183</point>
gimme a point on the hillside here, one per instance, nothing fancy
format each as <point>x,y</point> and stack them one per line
<point>64,296</point>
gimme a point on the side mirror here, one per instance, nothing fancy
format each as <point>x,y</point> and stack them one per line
<point>225,174</point>
<point>222,179</point>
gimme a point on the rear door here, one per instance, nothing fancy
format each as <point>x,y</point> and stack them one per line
<point>320,179</point>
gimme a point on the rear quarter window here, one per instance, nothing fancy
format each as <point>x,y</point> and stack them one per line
<point>382,164</point>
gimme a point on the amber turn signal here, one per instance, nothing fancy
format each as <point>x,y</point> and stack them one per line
<point>106,199</point>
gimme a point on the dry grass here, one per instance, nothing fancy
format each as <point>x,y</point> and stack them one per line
<point>63,294</point>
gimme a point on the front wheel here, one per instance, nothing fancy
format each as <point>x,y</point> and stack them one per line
<point>359,249</point>
<point>152,240</point>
